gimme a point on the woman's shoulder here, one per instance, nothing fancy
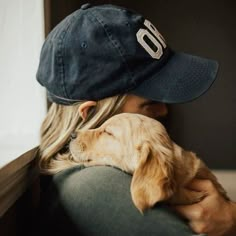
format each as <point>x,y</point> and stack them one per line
<point>98,202</point>
<point>93,176</point>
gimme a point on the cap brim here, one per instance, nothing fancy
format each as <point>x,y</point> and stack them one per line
<point>183,78</point>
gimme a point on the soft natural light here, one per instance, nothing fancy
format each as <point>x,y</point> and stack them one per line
<point>22,99</point>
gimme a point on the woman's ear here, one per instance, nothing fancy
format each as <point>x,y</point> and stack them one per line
<point>153,180</point>
<point>84,108</point>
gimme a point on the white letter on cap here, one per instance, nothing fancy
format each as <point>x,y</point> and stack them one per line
<point>159,42</point>
<point>153,29</point>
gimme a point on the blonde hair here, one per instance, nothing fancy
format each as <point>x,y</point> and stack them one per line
<point>61,121</point>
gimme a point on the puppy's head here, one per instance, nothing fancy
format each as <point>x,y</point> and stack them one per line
<point>113,143</point>
<point>136,144</point>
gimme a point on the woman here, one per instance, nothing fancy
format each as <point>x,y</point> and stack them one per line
<point>100,61</point>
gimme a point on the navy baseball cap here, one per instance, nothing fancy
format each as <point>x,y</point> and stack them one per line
<point>106,50</point>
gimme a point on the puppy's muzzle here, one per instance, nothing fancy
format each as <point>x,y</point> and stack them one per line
<point>76,140</point>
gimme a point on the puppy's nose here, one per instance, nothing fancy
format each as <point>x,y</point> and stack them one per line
<point>73,135</point>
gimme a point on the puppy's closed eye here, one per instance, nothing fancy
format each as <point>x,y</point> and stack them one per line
<point>109,132</point>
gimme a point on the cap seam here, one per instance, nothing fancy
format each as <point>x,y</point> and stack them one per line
<point>114,43</point>
<point>60,64</point>
<point>62,52</point>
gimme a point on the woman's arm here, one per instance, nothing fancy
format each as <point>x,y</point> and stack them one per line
<point>213,215</point>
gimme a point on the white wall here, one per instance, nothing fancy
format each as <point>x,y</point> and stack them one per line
<point>22,99</point>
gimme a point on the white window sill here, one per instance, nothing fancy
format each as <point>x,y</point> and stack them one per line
<point>13,145</point>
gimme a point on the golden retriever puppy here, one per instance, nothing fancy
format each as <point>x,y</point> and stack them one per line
<point>141,146</point>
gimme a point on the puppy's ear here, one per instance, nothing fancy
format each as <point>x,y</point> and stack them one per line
<point>153,180</point>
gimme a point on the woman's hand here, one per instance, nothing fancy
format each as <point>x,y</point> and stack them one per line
<point>214,215</point>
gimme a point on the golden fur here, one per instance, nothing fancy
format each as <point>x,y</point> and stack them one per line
<point>141,146</point>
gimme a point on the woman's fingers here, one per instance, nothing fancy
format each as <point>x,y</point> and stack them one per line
<point>213,215</point>
<point>202,185</point>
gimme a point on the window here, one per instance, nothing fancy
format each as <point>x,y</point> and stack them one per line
<point>22,99</point>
